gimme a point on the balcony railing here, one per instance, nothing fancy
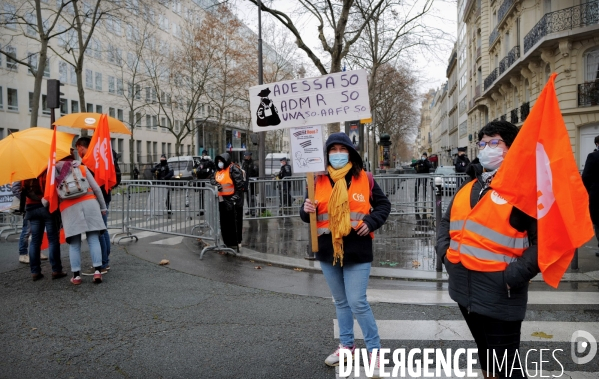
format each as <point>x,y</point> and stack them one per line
<point>477,91</point>
<point>524,110</point>
<point>588,94</point>
<point>491,78</point>
<point>504,9</point>
<point>514,116</point>
<point>493,37</point>
<point>564,19</point>
<point>509,59</point>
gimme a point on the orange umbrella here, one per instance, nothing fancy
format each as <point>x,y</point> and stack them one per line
<point>24,154</point>
<point>90,121</point>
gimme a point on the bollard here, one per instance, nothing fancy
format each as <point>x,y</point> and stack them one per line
<point>438,211</point>
<point>574,263</point>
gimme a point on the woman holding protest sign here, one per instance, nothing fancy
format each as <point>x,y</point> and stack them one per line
<point>349,206</point>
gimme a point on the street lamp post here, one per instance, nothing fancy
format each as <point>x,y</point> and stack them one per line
<point>261,144</point>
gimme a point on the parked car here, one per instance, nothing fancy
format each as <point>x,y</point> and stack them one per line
<point>448,178</point>
<point>183,166</point>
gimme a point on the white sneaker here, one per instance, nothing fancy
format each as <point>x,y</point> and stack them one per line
<point>43,257</point>
<point>24,258</point>
<point>333,359</point>
<point>376,362</point>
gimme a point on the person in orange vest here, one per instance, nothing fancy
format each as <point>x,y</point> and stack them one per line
<point>489,249</point>
<point>228,179</point>
<point>82,215</point>
<point>349,206</point>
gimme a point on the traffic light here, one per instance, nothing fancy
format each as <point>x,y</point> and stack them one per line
<point>53,93</point>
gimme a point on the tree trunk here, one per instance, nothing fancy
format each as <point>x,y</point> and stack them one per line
<point>37,85</point>
<point>81,91</point>
<point>131,155</point>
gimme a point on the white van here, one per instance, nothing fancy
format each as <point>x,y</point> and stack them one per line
<point>183,166</point>
<point>272,164</point>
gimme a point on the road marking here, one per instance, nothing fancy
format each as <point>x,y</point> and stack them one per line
<point>169,241</point>
<point>442,297</point>
<point>457,330</point>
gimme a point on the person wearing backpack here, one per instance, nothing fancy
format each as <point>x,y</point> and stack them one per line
<point>82,145</point>
<point>39,219</point>
<point>230,184</point>
<point>349,207</point>
<point>81,204</point>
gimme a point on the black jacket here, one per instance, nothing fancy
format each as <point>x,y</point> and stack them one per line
<point>236,176</point>
<point>422,166</point>
<point>285,171</point>
<point>356,249</point>
<point>162,171</point>
<point>250,168</point>
<point>486,293</point>
<point>590,178</point>
<point>205,169</point>
<point>460,163</point>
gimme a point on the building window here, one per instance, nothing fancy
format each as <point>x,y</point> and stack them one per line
<point>32,61</point>
<point>119,114</point>
<point>89,108</point>
<point>138,151</point>
<point>111,112</point>
<point>12,100</point>
<point>137,92</point>
<point>148,121</point>
<point>47,68</point>
<point>62,71</point>
<point>592,65</point>
<point>154,122</point>
<point>64,106</point>
<point>138,120</point>
<point>89,79</point>
<point>45,109</point>
<point>149,151</point>
<point>163,150</point>
<point>30,101</point>
<point>148,94</point>
<point>111,85</point>
<point>11,62</point>
<point>98,109</point>
<point>119,87</point>
<point>74,106</point>
<point>1,101</point>
<point>98,81</point>
<point>168,149</point>
<point>547,72</point>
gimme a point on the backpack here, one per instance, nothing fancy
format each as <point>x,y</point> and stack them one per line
<point>73,185</point>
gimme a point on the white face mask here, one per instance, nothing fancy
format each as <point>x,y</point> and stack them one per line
<point>221,165</point>
<point>490,158</point>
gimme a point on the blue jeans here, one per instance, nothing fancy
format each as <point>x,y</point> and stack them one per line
<point>105,240</point>
<point>348,285</point>
<point>93,240</point>
<point>40,219</point>
<point>24,238</point>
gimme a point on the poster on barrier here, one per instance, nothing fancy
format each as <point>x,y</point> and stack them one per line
<point>6,198</point>
<point>307,149</point>
<point>337,97</point>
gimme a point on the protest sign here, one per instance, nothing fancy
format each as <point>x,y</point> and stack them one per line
<point>6,197</point>
<point>307,149</point>
<point>338,97</point>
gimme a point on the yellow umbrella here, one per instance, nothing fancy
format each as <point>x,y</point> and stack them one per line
<point>25,154</point>
<point>90,121</point>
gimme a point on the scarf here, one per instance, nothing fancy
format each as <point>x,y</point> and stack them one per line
<point>339,221</point>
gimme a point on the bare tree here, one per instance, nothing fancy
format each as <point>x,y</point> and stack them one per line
<point>37,22</point>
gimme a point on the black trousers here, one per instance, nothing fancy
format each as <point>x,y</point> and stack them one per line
<point>420,182</point>
<point>499,338</point>
<point>231,222</point>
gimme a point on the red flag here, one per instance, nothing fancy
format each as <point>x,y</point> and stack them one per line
<point>50,193</point>
<point>99,155</point>
<point>550,191</point>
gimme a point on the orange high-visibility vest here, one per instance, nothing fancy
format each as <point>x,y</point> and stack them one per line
<point>359,201</point>
<point>64,204</point>
<point>482,237</point>
<point>223,177</point>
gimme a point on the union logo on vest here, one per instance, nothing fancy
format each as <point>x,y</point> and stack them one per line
<point>359,197</point>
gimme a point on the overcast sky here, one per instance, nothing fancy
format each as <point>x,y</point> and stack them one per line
<point>430,66</point>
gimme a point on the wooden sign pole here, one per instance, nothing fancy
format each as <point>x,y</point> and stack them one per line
<point>313,232</point>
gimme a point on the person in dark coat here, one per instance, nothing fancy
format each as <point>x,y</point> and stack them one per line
<point>345,247</point>
<point>230,204</point>
<point>285,194</point>
<point>162,171</point>
<point>460,163</point>
<point>422,166</point>
<point>493,302</point>
<point>251,171</point>
<point>590,178</point>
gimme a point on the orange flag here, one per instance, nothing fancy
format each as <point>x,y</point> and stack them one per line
<point>50,193</point>
<point>551,190</point>
<point>99,156</point>
<point>46,244</point>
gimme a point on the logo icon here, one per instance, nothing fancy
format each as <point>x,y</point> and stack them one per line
<point>90,121</point>
<point>358,197</point>
<point>583,343</point>
<point>497,199</point>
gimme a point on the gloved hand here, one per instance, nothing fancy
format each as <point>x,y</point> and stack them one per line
<point>234,198</point>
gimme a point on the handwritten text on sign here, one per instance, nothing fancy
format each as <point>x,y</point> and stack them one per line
<point>338,97</point>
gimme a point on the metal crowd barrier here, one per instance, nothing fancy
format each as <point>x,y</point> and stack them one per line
<point>180,209</point>
<point>274,198</point>
<point>11,223</point>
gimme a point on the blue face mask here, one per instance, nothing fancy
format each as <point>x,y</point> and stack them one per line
<point>338,160</point>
